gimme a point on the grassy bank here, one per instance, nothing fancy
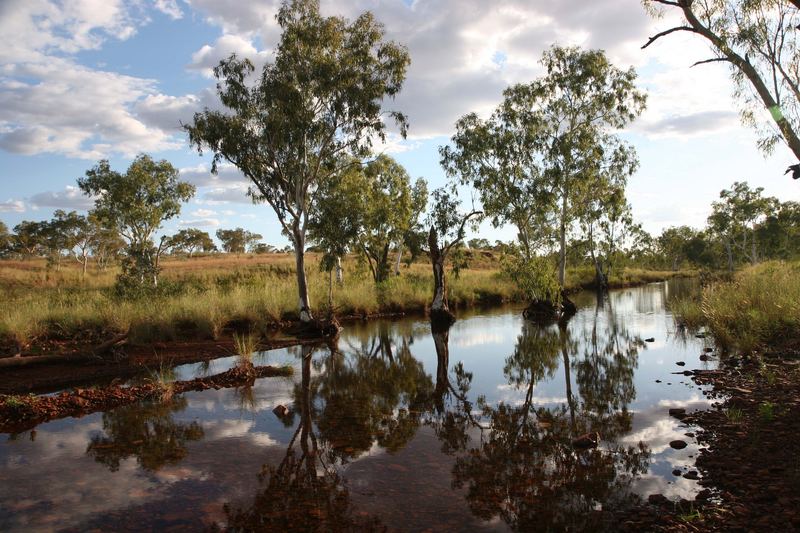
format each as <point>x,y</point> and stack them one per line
<point>760,306</point>
<point>205,295</point>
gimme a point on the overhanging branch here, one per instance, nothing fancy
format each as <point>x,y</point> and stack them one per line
<point>657,36</point>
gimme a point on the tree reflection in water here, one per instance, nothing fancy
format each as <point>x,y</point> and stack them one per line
<point>146,431</point>
<point>515,459</point>
<point>522,466</point>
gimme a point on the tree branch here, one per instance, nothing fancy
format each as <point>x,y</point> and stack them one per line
<point>712,60</point>
<point>657,36</point>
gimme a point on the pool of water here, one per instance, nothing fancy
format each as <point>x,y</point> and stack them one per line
<point>393,426</point>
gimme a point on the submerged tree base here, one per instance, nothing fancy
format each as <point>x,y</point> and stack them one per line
<point>441,320</point>
<point>316,329</point>
<point>545,311</point>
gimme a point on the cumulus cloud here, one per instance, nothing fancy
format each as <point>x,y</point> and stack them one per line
<point>209,56</point>
<point>689,125</point>
<point>203,213</point>
<point>223,195</point>
<point>49,103</point>
<point>12,206</point>
<point>169,8</point>
<point>70,198</point>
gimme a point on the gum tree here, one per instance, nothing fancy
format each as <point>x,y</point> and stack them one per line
<point>136,204</point>
<point>447,224</point>
<point>318,101</point>
<point>757,39</point>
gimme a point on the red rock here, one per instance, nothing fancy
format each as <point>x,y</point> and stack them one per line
<point>281,411</point>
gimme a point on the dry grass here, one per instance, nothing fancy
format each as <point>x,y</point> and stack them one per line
<point>207,294</point>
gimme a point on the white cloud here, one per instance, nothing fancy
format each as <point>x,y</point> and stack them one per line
<point>200,223</point>
<point>49,103</point>
<point>12,206</point>
<point>203,213</point>
<point>169,8</point>
<point>227,176</point>
<point>70,198</point>
<point>209,56</point>
<point>236,193</point>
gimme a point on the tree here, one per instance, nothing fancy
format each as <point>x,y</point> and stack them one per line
<point>388,210</point>
<point>29,238</point>
<point>547,145</point>
<point>236,241</point>
<point>673,243</point>
<point>190,241</point>
<point>136,204</point>
<point>319,101</point>
<point>107,245</point>
<point>735,217</point>
<point>414,236</point>
<point>74,234</point>
<point>578,105</point>
<point>335,221</point>
<point>5,240</point>
<point>756,39</point>
<point>448,224</point>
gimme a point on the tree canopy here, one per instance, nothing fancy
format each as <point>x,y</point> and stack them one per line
<point>318,101</point>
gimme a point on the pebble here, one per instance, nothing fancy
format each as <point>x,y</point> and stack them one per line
<point>678,444</point>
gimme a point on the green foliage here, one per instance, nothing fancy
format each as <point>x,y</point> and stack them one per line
<point>237,241</point>
<point>319,101</point>
<point>734,415</point>
<point>547,147</point>
<point>190,241</point>
<point>766,411</point>
<point>534,276</point>
<point>135,204</point>
<point>757,39</point>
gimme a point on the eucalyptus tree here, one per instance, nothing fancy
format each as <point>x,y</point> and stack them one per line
<point>414,236</point>
<point>237,241</point>
<point>448,223</point>
<point>735,218</point>
<point>190,241</point>
<point>757,40</point>
<point>136,204</point>
<point>543,150</point>
<point>318,101</point>
<point>388,212</point>
<point>336,219</point>
<point>581,101</point>
<point>73,234</point>
<point>5,240</point>
<point>28,239</point>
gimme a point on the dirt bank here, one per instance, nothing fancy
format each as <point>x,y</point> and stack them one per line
<point>20,413</point>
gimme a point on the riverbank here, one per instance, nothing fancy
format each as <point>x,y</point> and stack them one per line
<point>207,299</point>
<point>21,413</point>
<point>749,447</point>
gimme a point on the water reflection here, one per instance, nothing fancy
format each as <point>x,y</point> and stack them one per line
<point>463,429</point>
<point>524,467</point>
<point>146,431</point>
<point>304,492</point>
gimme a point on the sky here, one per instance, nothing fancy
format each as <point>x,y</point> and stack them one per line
<point>85,80</point>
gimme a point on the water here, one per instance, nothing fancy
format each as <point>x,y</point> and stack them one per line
<point>469,429</point>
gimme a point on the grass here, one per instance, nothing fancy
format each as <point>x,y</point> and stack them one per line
<point>164,381</point>
<point>734,415</point>
<point>207,297</point>
<point>760,306</point>
<point>767,411</point>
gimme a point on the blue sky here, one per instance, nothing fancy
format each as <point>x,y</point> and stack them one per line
<point>82,80</point>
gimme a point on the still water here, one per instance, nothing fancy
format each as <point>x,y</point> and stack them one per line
<point>394,427</point>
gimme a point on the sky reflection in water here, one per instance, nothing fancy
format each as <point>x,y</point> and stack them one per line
<point>395,426</point>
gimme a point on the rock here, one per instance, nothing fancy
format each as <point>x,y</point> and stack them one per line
<point>281,411</point>
<point>678,444</point>
<point>658,499</point>
<point>681,363</point>
<point>658,381</point>
<point>677,473</point>
<point>651,339</point>
<point>693,475</point>
<point>709,350</point>
<point>701,335</point>
<point>704,357</point>
<point>677,412</point>
<point>690,435</point>
<point>586,441</point>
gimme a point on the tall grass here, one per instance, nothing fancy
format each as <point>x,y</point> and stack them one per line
<point>761,305</point>
<point>208,297</point>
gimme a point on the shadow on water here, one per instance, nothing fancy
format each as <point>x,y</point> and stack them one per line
<point>494,423</point>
